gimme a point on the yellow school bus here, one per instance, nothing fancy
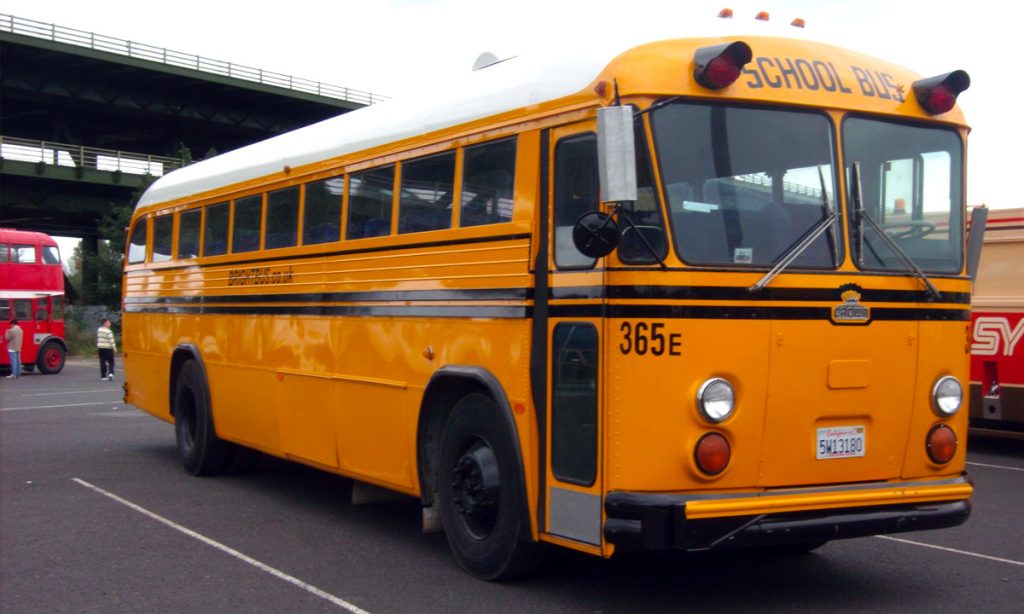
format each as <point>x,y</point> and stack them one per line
<point>702,293</point>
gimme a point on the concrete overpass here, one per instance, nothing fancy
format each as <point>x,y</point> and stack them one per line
<point>85,118</point>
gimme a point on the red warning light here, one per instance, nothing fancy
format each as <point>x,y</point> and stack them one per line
<point>719,66</point>
<point>937,95</point>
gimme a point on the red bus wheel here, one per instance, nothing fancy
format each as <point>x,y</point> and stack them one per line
<point>51,358</point>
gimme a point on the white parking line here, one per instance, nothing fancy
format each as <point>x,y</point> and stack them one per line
<point>974,554</point>
<point>309,588</point>
<point>997,466</point>
<point>115,402</point>
<point>47,394</point>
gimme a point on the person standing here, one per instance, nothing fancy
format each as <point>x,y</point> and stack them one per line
<point>13,337</point>
<point>106,345</point>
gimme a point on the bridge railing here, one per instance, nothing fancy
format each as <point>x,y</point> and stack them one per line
<point>110,44</point>
<point>92,158</point>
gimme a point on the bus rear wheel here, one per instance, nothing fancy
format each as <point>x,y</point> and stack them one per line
<point>51,358</point>
<point>480,493</point>
<point>201,451</point>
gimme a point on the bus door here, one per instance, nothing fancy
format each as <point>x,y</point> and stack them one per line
<point>573,469</point>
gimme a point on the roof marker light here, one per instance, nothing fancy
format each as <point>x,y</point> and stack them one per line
<point>762,16</point>
<point>797,23</point>
<point>718,66</point>
<point>725,13</point>
<point>937,95</point>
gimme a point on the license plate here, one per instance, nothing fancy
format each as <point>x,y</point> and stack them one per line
<point>840,442</point>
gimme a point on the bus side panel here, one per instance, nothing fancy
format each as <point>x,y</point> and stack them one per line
<point>146,369</point>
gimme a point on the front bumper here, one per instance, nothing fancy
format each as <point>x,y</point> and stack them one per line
<point>719,521</point>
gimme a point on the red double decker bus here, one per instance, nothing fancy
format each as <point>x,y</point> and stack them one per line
<point>32,292</point>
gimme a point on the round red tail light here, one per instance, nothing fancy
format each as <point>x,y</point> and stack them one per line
<point>941,444</point>
<point>712,453</point>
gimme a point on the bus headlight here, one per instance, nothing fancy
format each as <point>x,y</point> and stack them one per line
<point>947,396</point>
<point>716,399</point>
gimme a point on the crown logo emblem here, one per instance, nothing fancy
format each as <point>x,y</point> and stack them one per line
<point>850,311</point>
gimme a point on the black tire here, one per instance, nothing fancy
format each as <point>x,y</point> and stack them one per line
<point>201,451</point>
<point>51,358</point>
<point>481,493</point>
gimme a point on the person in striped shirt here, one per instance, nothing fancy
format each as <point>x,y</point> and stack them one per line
<point>107,345</point>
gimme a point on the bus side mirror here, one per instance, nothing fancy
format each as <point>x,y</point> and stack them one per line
<point>595,234</point>
<point>979,215</point>
<point>616,154</point>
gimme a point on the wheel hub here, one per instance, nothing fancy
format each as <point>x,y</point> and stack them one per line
<point>476,488</point>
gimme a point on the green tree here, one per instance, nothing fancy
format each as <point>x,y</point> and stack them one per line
<point>108,261</point>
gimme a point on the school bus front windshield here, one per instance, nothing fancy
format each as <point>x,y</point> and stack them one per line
<point>744,185</point>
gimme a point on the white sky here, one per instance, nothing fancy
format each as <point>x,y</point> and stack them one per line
<point>395,46</point>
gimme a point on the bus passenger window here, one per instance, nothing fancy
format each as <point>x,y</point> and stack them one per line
<point>282,218</point>
<point>23,309</point>
<point>488,176</point>
<point>58,308</point>
<point>137,243</point>
<point>321,213</point>
<point>163,234</point>
<point>215,233</point>
<point>245,235</point>
<point>370,196</point>
<point>51,255</point>
<point>23,254</point>
<point>576,192</point>
<point>426,196</point>
<point>4,253</point>
<point>41,310</point>
<point>188,233</point>
<point>5,310</point>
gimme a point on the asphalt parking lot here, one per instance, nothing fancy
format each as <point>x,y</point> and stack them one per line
<point>96,514</point>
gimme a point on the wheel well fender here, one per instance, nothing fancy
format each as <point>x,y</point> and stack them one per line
<point>183,353</point>
<point>56,339</point>
<point>446,386</point>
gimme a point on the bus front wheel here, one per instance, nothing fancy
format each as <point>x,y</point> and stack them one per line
<point>51,358</point>
<point>201,451</point>
<point>480,493</point>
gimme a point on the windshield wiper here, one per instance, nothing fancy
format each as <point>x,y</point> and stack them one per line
<point>863,216</point>
<point>809,237</point>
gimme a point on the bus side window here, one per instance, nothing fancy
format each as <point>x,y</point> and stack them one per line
<point>245,225</point>
<point>137,243</point>
<point>426,197</point>
<point>23,309</point>
<point>369,203</point>
<point>23,254</point>
<point>576,192</point>
<point>321,213</point>
<point>41,311</point>
<point>51,255</point>
<point>4,253</point>
<point>488,178</point>
<point>163,237</point>
<point>282,218</point>
<point>58,308</point>
<point>188,233</point>
<point>5,310</point>
<point>215,233</point>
